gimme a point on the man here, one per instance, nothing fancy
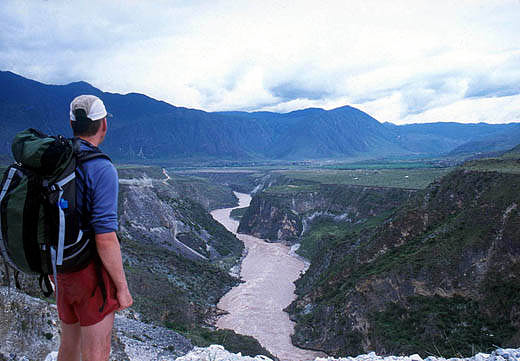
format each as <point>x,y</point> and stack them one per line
<point>88,299</point>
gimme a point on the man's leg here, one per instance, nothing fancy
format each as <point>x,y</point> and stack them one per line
<point>95,340</point>
<point>70,342</point>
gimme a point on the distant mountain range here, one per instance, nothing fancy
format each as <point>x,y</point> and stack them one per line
<point>147,129</point>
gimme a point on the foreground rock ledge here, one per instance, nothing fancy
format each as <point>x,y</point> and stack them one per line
<point>218,353</point>
<point>29,331</point>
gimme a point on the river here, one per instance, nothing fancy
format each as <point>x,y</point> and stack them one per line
<point>255,307</point>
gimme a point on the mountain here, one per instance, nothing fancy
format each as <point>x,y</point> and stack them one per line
<point>144,129</point>
<point>502,141</point>
<point>513,153</point>
<point>457,138</point>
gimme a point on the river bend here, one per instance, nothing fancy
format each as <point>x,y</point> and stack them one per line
<point>255,307</point>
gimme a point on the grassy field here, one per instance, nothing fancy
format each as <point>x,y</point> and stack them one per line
<point>395,164</point>
<point>502,165</point>
<point>417,178</point>
<point>297,177</point>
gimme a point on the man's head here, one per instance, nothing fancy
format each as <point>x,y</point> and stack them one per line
<point>88,116</point>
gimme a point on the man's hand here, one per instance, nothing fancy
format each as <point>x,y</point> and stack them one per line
<point>125,299</point>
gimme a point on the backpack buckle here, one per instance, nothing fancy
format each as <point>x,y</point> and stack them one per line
<point>51,188</point>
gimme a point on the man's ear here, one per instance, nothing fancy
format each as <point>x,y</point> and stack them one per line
<point>104,124</point>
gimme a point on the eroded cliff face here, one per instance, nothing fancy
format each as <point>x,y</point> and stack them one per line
<point>176,256</point>
<point>284,215</point>
<point>441,275</point>
<point>152,211</point>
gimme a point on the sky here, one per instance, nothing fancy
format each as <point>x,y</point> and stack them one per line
<point>401,61</point>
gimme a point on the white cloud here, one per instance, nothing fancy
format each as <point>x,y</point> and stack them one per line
<point>473,110</point>
<point>397,60</point>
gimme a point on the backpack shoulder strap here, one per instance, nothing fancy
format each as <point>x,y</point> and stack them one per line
<point>84,155</point>
<point>88,155</point>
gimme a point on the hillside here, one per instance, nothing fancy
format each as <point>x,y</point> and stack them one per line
<point>283,214</point>
<point>491,144</point>
<point>438,276</point>
<point>457,138</point>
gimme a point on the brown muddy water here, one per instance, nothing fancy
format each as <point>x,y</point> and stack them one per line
<point>255,307</point>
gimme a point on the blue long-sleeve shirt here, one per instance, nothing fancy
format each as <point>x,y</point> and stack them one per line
<point>97,183</point>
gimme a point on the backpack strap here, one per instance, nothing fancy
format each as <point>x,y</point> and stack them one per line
<point>44,280</point>
<point>85,155</point>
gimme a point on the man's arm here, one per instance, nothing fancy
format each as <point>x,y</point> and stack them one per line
<point>110,253</point>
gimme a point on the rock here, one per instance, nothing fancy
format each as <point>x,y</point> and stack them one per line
<point>497,355</point>
<point>496,358</point>
<point>508,354</point>
<point>217,353</point>
<point>53,356</point>
<point>141,341</point>
<point>481,357</point>
<point>28,327</point>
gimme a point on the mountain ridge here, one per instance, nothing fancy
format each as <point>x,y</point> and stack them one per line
<point>146,129</point>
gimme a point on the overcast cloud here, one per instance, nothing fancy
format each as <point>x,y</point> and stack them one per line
<point>400,61</point>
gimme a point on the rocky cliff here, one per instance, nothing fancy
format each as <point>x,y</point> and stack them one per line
<point>282,213</point>
<point>439,276</point>
<point>153,212</point>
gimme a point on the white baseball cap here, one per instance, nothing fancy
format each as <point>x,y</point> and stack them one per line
<point>91,104</point>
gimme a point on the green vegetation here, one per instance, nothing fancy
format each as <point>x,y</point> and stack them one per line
<point>139,171</point>
<point>233,342</point>
<point>502,165</point>
<point>438,326</point>
<point>397,178</point>
<point>238,213</point>
<point>169,288</point>
<point>292,188</point>
<point>323,232</point>
<point>288,177</point>
<point>397,164</point>
<point>327,233</point>
<point>201,190</point>
<point>209,195</point>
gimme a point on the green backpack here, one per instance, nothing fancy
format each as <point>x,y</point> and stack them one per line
<point>39,221</point>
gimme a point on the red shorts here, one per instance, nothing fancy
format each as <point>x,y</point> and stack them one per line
<point>80,297</point>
